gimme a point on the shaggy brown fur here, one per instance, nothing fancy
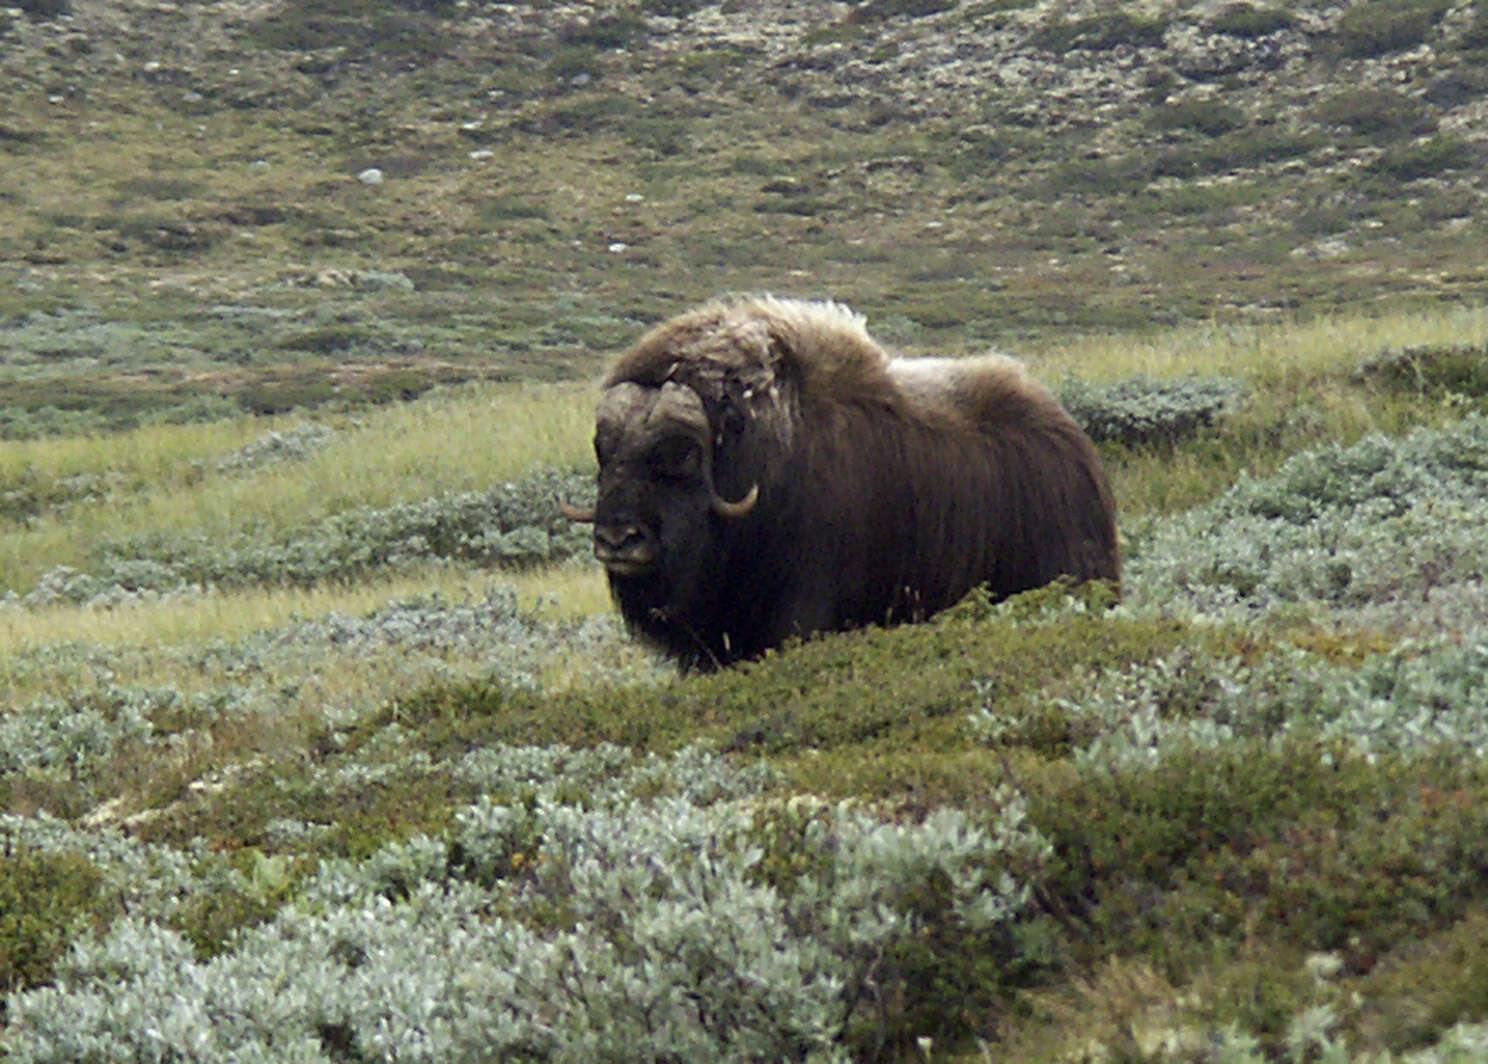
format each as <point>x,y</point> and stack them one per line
<point>885,488</point>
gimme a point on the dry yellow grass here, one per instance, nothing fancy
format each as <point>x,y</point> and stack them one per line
<point>558,593</point>
<point>139,644</point>
<point>1260,353</point>
<point>467,440</point>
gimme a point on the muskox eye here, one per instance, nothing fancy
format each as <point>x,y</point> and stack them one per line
<point>675,458</point>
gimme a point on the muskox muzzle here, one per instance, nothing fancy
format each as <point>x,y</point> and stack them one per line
<point>625,550</point>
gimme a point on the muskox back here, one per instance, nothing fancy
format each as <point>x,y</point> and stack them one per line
<point>767,471</point>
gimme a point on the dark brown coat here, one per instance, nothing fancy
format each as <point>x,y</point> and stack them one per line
<point>767,471</point>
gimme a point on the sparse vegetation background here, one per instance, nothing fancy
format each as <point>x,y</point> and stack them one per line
<point>319,741</point>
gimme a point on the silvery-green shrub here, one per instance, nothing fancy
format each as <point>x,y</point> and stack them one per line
<point>516,523</point>
<point>272,448</point>
<point>1142,410</point>
<point>1411,701</point>
<point>622,928</point>
<point>1373,529</point>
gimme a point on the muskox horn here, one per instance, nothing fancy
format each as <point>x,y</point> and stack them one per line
<point>583,515</point>
<point>723,508</point>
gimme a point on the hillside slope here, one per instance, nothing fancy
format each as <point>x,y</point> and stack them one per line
<point>183,178</point>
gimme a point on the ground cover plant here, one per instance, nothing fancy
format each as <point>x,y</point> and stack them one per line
<point>450,824</point>
<point>319,739</point>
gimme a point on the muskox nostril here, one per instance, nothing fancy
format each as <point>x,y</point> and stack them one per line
<point>617,537</point>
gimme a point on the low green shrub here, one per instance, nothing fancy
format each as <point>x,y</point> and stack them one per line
<point>1415,162</point>
<point>1431,984</point>
<point>1460,86</point>
<point>1378,27</point>
<point>32,492</point>
<point>607,31</point>
<point>879,10</point>
<point>830,696</point>
<point>1098,33</point>
<point>1112,176</point>
<point>385,28</point>
<point>1247,146</point>
<point>1250,20</point>
<point>1458,369</point>
<point>1475,33</point>
<point>675,8</point>
<point>1296,841</point>
<point>1378,113</point>
<point>1207,115</point>
<point>45,8</point>
<point>47,899</point>
<point>336,339</point>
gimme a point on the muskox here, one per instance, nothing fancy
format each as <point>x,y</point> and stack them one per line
<point>766,471</point>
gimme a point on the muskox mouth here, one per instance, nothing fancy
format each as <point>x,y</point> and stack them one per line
<point>625,550</point>
<point>627,570</point>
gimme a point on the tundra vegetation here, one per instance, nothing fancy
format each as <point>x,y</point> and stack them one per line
<point>319,740</point>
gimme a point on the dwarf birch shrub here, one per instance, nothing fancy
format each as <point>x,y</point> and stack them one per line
<point>46,899</point>
<point>67,880</point>
<point>1425,369</point>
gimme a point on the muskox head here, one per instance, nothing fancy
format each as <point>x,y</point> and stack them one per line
<point>658,516</point>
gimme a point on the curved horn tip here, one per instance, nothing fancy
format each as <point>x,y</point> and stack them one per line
<point>724,508</point>
<point>583,515</point>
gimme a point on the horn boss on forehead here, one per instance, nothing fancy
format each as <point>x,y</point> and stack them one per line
<point>768,471</point>
<point>641,408</point>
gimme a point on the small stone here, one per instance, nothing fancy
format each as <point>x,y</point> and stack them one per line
<point>370,176</point>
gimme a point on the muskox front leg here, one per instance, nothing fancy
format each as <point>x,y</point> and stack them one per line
<point>807,607</point>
